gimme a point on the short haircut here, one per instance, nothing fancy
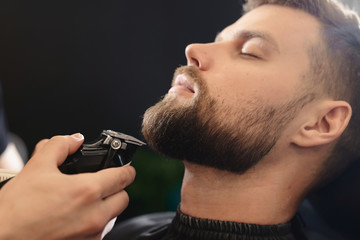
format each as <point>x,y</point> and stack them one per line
<point>335,68</point>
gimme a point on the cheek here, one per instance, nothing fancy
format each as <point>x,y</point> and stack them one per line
<point>283,85</point>
<point>234,87</point>
<point>234,84</point>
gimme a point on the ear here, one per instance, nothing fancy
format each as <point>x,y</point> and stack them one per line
<point>326,123</point>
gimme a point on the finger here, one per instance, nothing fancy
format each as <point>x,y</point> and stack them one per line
<point>95,236</point>
<point>58,148</point>
<point>109,226</point>
<point>40,145</point>
<point>113,180</point>
<point>115,204</point>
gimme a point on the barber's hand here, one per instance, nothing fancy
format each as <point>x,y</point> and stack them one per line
<point>42,203</point>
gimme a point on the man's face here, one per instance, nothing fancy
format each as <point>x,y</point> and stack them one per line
<point>229,106</point>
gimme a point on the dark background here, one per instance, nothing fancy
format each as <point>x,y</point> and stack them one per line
<point>84,66</point>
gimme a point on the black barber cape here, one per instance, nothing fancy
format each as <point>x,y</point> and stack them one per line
<point>179,226</point>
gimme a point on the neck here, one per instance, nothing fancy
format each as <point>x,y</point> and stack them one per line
<point>254,197</point>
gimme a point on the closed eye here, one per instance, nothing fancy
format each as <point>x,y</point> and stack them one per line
<point>251,48</point>
<point>249,55</point>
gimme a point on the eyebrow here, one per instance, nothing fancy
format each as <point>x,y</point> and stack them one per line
<point>253,34</point>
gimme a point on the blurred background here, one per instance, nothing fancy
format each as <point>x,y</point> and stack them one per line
<point>84,66</point>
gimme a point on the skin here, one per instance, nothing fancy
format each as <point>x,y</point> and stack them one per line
<point>43,203</point>
<point>238,68</point>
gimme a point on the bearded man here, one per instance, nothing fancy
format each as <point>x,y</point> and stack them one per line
<point>259,118</point>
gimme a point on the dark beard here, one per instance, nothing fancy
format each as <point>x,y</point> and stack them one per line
<point>208,134</point>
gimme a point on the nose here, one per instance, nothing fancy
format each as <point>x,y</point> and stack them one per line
<point>198,55</point>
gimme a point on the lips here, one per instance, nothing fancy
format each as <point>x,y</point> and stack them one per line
<point>183,81</point>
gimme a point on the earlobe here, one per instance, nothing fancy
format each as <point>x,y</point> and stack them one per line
<point>324,126</point>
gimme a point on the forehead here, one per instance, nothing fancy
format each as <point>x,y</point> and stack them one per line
<point>284,27</point>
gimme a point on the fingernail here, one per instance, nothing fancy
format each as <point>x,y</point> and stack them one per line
<point>78,136</point>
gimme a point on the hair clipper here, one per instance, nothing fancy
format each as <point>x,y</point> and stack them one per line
<point>111,149</point>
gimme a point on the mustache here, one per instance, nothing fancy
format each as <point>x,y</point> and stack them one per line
<point>192,72</point>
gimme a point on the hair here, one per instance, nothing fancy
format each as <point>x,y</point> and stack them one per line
<point>334,69</point>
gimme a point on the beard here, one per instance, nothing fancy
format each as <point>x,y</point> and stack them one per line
<point>205,131</point>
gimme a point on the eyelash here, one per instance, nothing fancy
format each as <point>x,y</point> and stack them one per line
<point>249,55</point>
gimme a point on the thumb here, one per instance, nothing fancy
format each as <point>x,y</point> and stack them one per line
<point>57,149</point>
<point>40,145</point>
